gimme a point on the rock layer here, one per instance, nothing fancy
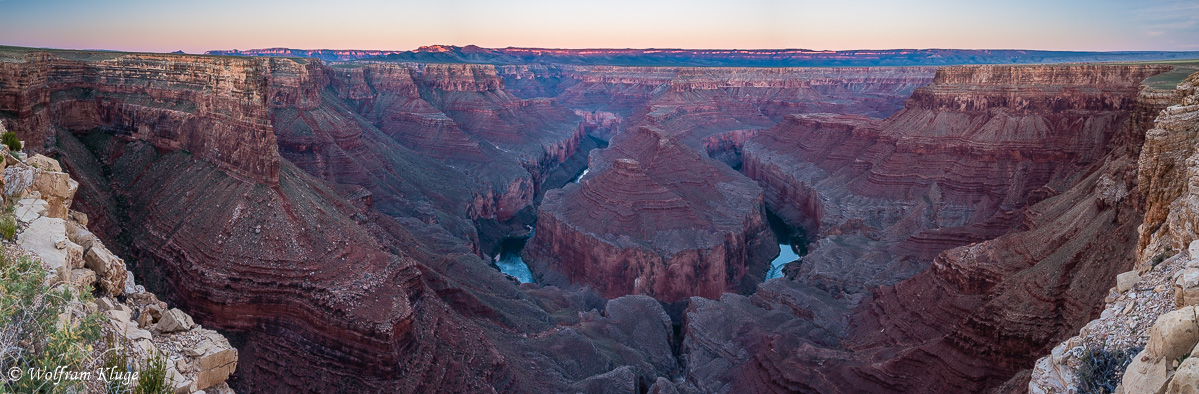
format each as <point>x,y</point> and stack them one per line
<point>978,314</point>
<point>957,165</point>
<point>356,264</point>
<point>654,217</point>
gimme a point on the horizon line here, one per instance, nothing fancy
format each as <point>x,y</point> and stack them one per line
<point>605,49</point>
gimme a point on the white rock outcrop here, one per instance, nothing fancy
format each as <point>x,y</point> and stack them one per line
<point>198,359</point>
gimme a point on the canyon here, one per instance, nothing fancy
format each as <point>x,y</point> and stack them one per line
<point>337,219</point>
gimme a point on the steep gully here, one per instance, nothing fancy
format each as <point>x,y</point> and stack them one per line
<point>337,217</point>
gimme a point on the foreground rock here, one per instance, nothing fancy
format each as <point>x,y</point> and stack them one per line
<point>654,217</point>
<point>197,358</point>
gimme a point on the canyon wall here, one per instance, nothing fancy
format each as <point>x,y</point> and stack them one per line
<point>1147,323</point>
<point>356,264</point>
<point>1168,173</point>
<point>1013,270</point>
<point>957,165</point>
<point>211,107</point>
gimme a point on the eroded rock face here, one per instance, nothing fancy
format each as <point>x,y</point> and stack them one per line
<point>1141,308</point>
<point>654,217</point>
<point>354,267</point>
<point>212,107</point>
<point>957,165</point>
<point>982,310</point>
<point>196,358</point>
<point>1168,171</point>
<point>462,116</point>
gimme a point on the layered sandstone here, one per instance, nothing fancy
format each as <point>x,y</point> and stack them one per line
<point>212,107</point>
<point>982,310</point>
<point>355,266</point>
<point>1169,175</point>
<point>653,217</point>
<point>957,165</point>
<point>462,116</point>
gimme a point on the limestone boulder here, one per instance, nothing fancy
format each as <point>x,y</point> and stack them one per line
<point>174,320</point>
<point>1186,288</point>
<point>1186,378</point>
<point>214,359</point>
<point>47,238</point>
<point>1052,373</point>
<point>17,179</point>
<point>29,209</point>
<point>83,280</point>
<point>79,234</point>
<point>1173,335</point>
<point>1125,281</point>
<point>58,189</point>
<point>44,163</point>
<point>78,217</point>
<point>149,316</point>
<point>1145,375</point>
<point>109,268</point>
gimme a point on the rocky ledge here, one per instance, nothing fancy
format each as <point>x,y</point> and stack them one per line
<point>198,359</point>
<point>654,217</point>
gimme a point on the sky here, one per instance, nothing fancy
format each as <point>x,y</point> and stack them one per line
<point>195,26</point>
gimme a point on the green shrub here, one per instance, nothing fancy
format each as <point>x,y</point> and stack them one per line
<point>1160,258</point>
<point>1101,370</point>
<point>10,139</point>
<point>116,363</point>
<point>153,377</point>
<point>8,227</point>
<point>31,337</point>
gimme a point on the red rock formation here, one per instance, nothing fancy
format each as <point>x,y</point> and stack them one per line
<point>212,108</point>
<point>983,311</point>
<point>956,166</point>
<point>462,116</point>
<point>653,217</point>
<point>324,291</point>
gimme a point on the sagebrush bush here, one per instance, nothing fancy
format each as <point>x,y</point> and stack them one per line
<point>116,363</point>
<point>10,139</point>
<point>8,227</point>
<point>31,337</point>
<point>152,379</point>
<point>1101,370</point>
